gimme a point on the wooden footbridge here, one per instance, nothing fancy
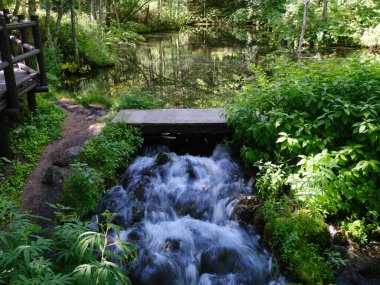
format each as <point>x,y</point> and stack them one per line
<point>22,69</point>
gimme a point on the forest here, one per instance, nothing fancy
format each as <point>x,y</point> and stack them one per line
<point>299,83</point>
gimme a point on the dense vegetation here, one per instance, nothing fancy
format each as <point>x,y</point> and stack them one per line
<point>103,158</point>
<point>29,135</point>
<point>312,132</point>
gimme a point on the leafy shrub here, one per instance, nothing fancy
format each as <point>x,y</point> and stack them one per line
<point>112,150</point>
<point>137,99</point>
<point>70,254</point>
<point>313,132</point>
<point>93,94</point>
<point>321,124</point>
<point>37,130</point>
<point>83,188</point>
<point>28,138</point>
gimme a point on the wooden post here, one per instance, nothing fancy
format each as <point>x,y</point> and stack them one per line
<point>5,150</point>
<point>24,38</point>
<point>40,56</point>
<point>40,62</point>
<point>7,21</point>
<point>9,75</point>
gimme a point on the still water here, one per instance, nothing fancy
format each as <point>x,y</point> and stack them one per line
<point>192,68</point>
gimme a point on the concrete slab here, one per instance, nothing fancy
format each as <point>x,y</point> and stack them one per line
<point>194,121</point>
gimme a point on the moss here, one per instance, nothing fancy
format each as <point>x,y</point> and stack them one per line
<point>298,239</point>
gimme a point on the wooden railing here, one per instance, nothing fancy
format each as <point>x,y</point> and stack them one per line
<point>17,56</point>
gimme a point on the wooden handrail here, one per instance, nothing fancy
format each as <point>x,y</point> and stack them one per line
<point>4,65</point>
<point>22,25</point>
<point>25,55</point>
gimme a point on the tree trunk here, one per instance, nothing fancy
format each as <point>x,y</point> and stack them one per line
<point>32,8</point>
<point>303,27</point>
<point>2,4</point>
<point>159,9</point>
<point>93,10</point>
<point>324,14</point>
<point>47,22</point>
<point>101,15</point>
<point>17,7</point>
<point>80,10</point>
<point>74,37</point>
<point>108,12</point>
<point>59,21</point>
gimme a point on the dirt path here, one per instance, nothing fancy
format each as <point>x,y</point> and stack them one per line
<point>80,125</point>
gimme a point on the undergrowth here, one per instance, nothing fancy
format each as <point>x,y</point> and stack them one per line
<point>29,135</point>
<point>70,253</point>
<point>312,131</point>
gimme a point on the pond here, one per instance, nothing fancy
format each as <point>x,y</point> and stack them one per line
<point>192,68</point>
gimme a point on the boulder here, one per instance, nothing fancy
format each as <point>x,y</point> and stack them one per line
<point>220,261</point>
<point>162,158</point>
<point>53,176</point>
<point>245,209</point>
<point>66,157</point>
<point>340,239</point>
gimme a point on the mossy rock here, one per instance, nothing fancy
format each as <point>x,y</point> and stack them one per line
<point>298,240</point>
<point>312,228</point>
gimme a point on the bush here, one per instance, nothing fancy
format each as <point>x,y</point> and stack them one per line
<point>112,150</point>
<point>29,136</point>
<point>83,188</point>
<point>137,99</point>
<point>313,131</point>
<point>70,254</point>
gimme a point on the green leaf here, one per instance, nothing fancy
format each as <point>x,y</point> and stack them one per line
<point>281,139</point>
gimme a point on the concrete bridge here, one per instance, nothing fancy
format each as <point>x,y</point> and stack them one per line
<point>184,121</point>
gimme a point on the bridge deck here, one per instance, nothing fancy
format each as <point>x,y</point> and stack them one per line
<point>190,121</point>
<point>26,80</point>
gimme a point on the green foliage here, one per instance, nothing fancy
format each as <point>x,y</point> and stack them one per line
<point>93,51</point>
<point>92,94</point>
<point>53,61</point>
<point>322,125</point>
<point>103,271</point>
<point>37,130</point>
<point>28,138</point>
<point>137,99</point>
<point>313,131</point>
<point>298,238</point>
<point>112,150</point>
<point>29,258</point>
<point>83,188</point>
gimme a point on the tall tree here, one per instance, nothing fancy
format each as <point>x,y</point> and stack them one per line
<point>17,7</point>
<point>60,12</point>
<point>324,14</point>
<point>74,36</point>
<point>47,22</point>
<point>304,22</point>
<point>2,4</point>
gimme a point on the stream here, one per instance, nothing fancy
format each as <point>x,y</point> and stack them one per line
<point>177,211</point>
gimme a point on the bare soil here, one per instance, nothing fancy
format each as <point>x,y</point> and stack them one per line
<point>79,126</point>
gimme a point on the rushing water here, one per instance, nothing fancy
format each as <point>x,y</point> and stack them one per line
<point>192,68</point>
<point>177,211</point>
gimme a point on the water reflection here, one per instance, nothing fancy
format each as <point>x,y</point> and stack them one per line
<point>192,68</point>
